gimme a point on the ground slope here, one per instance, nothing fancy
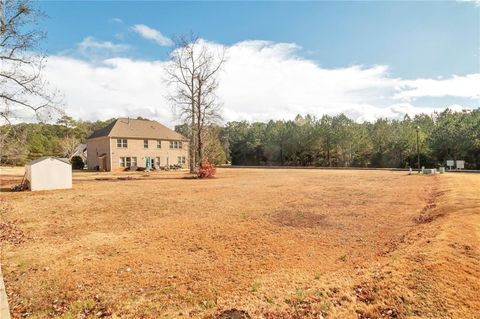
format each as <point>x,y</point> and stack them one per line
<point>274,243</point>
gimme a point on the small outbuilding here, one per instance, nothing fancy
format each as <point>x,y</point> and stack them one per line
<point>47,173</point>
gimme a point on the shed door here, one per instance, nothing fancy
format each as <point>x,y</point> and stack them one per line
<point>104,163</point>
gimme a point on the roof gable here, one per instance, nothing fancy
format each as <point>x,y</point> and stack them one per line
<point>105,131</point>
<point>129,128</point>
<point>44,158</point>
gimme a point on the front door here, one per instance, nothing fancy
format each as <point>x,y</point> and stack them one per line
<point>147,162</point>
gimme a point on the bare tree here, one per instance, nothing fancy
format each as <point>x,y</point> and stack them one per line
<point>193,71</point>
<point>207,105</point>
<point>14,146</point>
<point>23,92</point>
<point>69,145</point>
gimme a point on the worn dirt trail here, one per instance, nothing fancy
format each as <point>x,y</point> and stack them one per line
<point>452,261</point>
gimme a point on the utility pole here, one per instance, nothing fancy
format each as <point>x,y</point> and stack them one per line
<point>418,150</point>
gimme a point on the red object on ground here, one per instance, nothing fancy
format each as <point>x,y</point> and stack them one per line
<point>207,170</point>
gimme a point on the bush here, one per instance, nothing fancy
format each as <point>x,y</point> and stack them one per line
<point>207,170</point>
<point>77,162</point>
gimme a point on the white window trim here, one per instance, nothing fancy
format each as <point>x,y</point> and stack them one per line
<point>123,143</point>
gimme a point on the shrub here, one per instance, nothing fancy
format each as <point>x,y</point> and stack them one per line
<point>77,162</point>
<point>207,170</point>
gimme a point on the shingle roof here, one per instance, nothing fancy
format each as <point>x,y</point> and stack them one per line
<point>103,131</point>
<point>43,158</point>
<point>129,128</point>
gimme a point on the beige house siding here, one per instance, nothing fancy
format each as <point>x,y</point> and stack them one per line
<point>103,142</point>
<point>135,148</point>
<point>96,147</point>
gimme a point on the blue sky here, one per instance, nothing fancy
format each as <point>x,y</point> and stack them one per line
<point>412,40</point>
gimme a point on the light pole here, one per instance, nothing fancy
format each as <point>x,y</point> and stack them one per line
<point>418,150</point>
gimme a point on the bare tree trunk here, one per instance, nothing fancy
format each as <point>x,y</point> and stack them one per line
<point>281,154</point>
<point>192,148</point>
<point>193,162</point>
<point>199,125</point>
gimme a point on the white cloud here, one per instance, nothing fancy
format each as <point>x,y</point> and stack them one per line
<point>91,43</point>
<point>460,86</point>
<point>118,87</point>
<point>260,81</point>
<point>152,34</point>
<point>115,20</point>
<point>93,49</point>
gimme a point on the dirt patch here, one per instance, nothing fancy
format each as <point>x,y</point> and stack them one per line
<point>429,213</point>
<point>233,314</point>
<point>298,310</point>
<point>465,249</point>
<point>299,219</point>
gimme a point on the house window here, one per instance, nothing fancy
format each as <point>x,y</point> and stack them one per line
<point>175,144</point>
<point>159,144</point>
<point>145,143</point>
<point>157,161</point>
<point>128,162</point>
<point>181,160</point>
<point>121,142</point>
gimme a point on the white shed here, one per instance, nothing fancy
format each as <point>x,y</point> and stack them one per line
<point>48,173</point>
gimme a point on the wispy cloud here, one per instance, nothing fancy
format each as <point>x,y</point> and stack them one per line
<point>476,2</point>
<point>467,86</point>
<point>115,20</point>
<point>91,48</point>
<point>152,34</point>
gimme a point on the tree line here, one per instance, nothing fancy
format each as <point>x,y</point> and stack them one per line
<point>338,141</point>
<point>327,141</point>
<point>27,141</point>
<point>24,142</point>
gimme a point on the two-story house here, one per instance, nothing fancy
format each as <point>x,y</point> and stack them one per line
<point>127,143</point>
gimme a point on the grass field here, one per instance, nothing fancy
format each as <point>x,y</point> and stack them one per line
<point>273,243</point>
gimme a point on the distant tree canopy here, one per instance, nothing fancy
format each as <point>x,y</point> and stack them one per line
<point>40,139</point>
<point>337,141</point>
<point>215,148</point>
<point>330,141</point>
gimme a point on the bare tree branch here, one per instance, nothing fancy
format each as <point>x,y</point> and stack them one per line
<point>192,73</point>
<point>23,92</point>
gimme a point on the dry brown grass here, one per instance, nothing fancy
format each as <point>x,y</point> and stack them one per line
<point>273,243</point>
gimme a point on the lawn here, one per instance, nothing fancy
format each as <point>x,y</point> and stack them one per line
<point>273,243</point>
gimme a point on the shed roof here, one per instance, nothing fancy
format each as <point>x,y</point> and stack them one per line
<point>43,158</point>
<point>129,128</point>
